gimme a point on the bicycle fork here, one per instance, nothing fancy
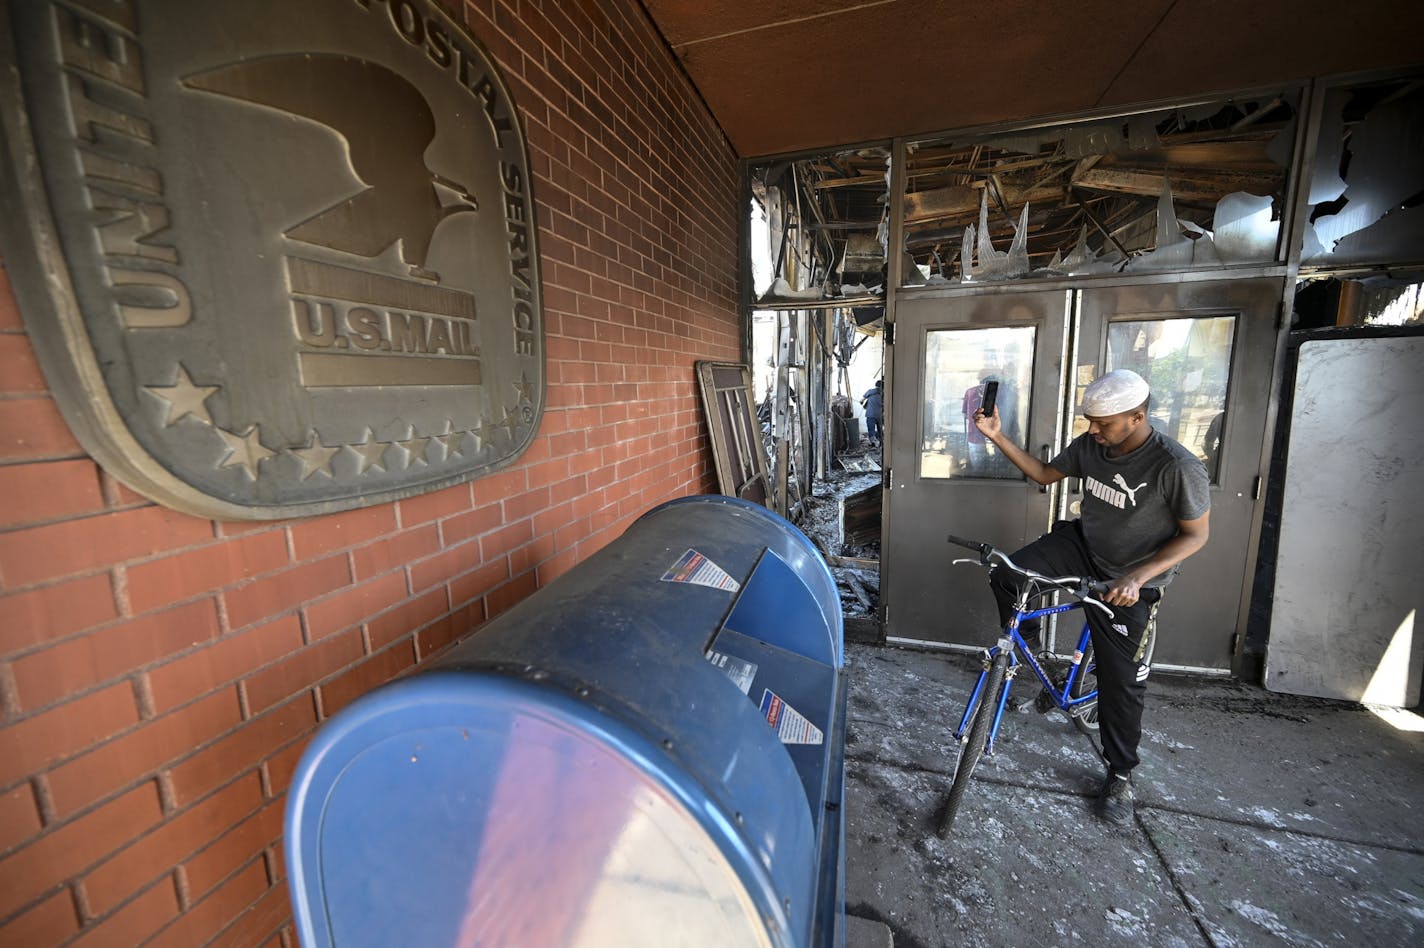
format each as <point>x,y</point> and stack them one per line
<point>1004,647</point>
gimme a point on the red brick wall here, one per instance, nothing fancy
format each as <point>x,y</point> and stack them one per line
<point>160,674</point>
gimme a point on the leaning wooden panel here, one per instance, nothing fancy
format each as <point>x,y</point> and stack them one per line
<point>734,430</point>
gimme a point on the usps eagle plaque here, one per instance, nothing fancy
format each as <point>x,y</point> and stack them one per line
<point>276,257</point>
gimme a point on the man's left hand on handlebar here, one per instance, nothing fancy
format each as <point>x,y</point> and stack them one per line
<point>1123,591</point>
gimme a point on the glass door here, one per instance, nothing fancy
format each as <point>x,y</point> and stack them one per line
<point>943,476</point>
<point>1207,350</point>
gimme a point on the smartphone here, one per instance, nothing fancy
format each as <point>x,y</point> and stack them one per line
<point>991,394</point>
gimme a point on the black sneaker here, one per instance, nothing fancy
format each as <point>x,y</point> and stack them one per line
<point>1115,799</point>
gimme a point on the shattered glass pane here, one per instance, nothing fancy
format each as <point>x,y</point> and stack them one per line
<point>1367,181</point>
<point>1164,190</point>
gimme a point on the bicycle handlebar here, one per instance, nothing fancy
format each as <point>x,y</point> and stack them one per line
<point>1084,587</point>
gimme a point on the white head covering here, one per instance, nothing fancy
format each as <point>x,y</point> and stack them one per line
<point>1119,391</point>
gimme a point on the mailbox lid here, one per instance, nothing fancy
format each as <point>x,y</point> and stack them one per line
<point>477,809</point>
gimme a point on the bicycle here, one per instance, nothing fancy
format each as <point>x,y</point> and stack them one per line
<point>1077,696</point>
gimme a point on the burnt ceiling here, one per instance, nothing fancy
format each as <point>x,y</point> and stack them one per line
<point>791,75</point>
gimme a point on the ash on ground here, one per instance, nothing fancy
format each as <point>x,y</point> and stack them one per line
<point>823,521</point>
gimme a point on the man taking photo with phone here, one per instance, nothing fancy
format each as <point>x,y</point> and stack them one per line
<point>1145,508</point>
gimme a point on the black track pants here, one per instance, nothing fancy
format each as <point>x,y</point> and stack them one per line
<point>1119,643</point>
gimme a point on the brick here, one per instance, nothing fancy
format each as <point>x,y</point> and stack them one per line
<point>396,551</point>
<point>499,543</point>
<point>272,912</point>
<point>302,669</point>
<point>267,597</point>
<point>465,526</point>
<point>525,505</point>
<point>353,605</point>
<point>66,851</point>
<point>376,670</point>
<point>234,849</point>
<point>33,430</point>
<point>433,506</point>
<point>19,817</point>
<point>35,554</point>
<point>314,538</point>
<point>206,569</point>
<point>80,663</point>
<point>451,629</point>
<point>19,372</point>
<point>516,590</point>
<point>9,312</point>
<point>196,926</point>
<point>282,765</point>
<point>163,849</point>
<point>475,584</point>
<point>52,612</point>
<point>50,490</point>
<point>243,750</point>
<point>155,743</point>
<point>136,921</point>
<point>223,662</point>
<point>51,922</point>
<point>438,569</point>
<point>407,617</point>
<point>33,743</point>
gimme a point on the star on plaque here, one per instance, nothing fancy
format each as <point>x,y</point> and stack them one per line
<point>245,451</point>
<point>415,447</point>
<point>369,453</point>
<point>184,398</point>
<point>510,422</point>
<point>485,432</point>
<point>453,440</point>
<point>524,387</point>
<point>315,457</point>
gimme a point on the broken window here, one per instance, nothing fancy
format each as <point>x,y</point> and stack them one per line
<point>1165,190</point>
<point>1367,177</point>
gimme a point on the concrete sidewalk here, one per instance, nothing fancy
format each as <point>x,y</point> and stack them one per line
<point>1262,819</point>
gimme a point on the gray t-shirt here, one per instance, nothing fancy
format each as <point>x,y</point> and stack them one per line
<point>1131,504</point>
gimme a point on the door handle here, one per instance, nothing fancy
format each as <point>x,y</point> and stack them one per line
<point>1043,456</point>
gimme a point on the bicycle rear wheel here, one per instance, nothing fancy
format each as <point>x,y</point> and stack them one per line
<point>1085,715</point>
<point>973,748</point>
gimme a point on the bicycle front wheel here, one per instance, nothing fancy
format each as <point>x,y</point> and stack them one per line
<point>973,747</point>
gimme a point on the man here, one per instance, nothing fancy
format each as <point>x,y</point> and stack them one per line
<point>1145,509</point>
<point>874,401</point>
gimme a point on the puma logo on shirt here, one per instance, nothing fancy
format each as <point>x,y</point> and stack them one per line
<point>1111,495</point>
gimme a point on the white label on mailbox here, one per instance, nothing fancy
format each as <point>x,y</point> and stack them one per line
<point>693,567</point>
<point>791,726</point>
<point>739,670</point>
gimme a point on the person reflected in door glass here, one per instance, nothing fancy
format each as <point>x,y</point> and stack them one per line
<point>1146,507</point>
<point>982,458</point>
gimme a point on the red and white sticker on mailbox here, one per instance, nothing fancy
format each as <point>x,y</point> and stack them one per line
<point>791,726</point>
<point>693,567</point>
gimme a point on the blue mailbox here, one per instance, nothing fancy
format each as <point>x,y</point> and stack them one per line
<point>648,751</point>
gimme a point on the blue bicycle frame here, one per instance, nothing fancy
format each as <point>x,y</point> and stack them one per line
<point>1014,642</point>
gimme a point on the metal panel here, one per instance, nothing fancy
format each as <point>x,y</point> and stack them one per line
<point>1207,604</point>
<point>734,430</point>
<point>926,599</point>
<point>1345,616</point>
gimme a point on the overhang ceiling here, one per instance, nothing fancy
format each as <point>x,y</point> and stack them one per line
<point>784,76</point>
